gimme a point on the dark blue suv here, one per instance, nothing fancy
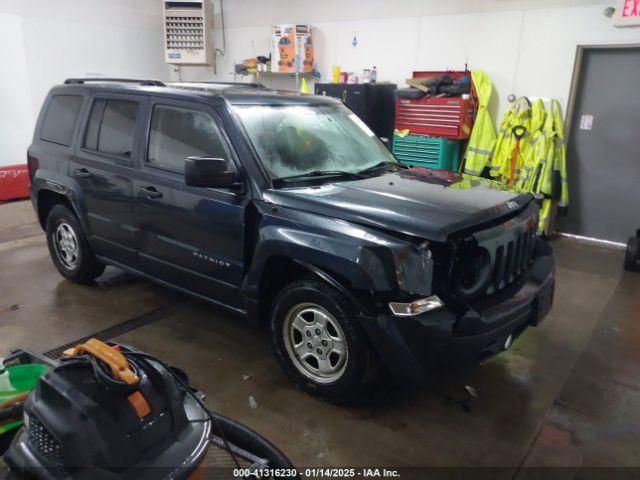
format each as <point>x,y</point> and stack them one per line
<point>286,209</point>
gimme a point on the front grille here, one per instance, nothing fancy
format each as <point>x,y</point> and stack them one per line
<point>44,443</point>
<point>510,247</point>
<point>511,259</point>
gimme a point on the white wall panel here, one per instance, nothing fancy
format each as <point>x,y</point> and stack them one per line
<point>390,45</point>
<point>50,41</point>
<point>487,41</point>
<point>243,13</point>
<point>526,46</point>
<point>549,41</point>
<point>15,103</point>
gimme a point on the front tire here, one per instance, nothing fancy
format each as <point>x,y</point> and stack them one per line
<point>319,344</point>
<point>68,247</point>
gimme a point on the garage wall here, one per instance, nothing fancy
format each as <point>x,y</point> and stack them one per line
<point>46,42</point>
<point>527,47</point>
<point>15,97</point>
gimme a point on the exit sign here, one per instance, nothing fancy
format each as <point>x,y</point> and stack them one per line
<point>627,13</point>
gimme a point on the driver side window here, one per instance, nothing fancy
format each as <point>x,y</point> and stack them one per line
<point>177,133</point>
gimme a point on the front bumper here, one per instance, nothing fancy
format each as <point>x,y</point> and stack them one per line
<point>453,337</point>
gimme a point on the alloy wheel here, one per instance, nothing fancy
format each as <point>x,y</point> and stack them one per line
<point>315,342</point>
<point>66,245</point>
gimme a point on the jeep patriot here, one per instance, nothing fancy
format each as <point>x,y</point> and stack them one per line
<point>286,209</point>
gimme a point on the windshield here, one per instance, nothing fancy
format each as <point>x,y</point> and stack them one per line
<point>294,140</point>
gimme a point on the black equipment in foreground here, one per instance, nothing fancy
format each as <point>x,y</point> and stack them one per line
<point>110,411</point>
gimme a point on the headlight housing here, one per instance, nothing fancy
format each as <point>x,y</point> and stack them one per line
<point>411,309</point>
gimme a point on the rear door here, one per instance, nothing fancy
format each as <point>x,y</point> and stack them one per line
<point>188,236</point>
<point>103,167</point>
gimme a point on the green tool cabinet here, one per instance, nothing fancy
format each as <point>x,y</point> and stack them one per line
<point>429,152</point>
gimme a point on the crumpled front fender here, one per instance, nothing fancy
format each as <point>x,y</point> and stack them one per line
<point>370,260</point>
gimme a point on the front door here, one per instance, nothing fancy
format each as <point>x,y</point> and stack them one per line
<point>603,154</point>
<point>188,236</point>
<point>103,168</point>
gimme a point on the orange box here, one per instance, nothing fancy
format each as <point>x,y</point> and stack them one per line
<point>292,49</point>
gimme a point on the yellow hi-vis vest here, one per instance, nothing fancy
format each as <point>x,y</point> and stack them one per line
<point>547,170</point>
<point>554,182</point>
<point>544,216</point>
<point>483,135</point>
<point>518,115</point>
<point>535,156</point>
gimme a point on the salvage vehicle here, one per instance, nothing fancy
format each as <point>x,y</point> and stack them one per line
<point>288,210</point>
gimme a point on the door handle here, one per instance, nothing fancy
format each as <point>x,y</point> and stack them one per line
<point>82,173</point>
<point>150,192</point>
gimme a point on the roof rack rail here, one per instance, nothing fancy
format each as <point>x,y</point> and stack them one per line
<point>222,84</point>
<point>153,83</point>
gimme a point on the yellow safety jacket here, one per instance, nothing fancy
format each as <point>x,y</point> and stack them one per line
<point>555,184</point>
<point>518,115</point>
<point>544,172</point>
<point>544,215</point>
<point>535,155</point>
<point>483,135</point>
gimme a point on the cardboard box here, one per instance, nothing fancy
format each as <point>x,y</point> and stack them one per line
<point>291,49</point>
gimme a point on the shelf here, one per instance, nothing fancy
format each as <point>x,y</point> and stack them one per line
<point>283,74</point>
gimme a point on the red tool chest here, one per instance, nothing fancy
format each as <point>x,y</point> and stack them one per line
<point>447,117</point>
<point>14,182</point>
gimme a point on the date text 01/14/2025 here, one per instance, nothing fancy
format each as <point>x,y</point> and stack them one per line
<point>317,473</point>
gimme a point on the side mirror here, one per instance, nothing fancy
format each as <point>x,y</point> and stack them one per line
<point>386,142</point>
<point>208,172</point>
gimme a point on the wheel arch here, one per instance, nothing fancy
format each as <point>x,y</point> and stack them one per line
<point>280,271</point>
<point>335,281</point>
<point>47,199</point>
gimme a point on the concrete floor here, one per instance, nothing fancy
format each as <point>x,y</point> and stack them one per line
<point>566,394</point>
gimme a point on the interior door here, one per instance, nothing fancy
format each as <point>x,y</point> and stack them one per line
<point>103,167</point>
<point>603,154</point>
<point>188,236</point>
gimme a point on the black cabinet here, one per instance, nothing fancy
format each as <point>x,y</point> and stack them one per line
<point>374,103</point>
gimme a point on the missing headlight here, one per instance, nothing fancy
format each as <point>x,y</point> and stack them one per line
<point>472,273</point>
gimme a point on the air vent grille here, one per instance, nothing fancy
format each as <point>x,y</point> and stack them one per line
<point>186,33</point>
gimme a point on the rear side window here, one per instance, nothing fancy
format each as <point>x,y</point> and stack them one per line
<point>177,133</point>
<point>60,119</point>
<point>111,127</point>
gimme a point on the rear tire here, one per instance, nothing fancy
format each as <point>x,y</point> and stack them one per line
<point>69,249</point>
<point>319,344</point>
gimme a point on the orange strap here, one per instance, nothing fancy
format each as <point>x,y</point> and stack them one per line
<point>116,361</point>
<point>139,404</point>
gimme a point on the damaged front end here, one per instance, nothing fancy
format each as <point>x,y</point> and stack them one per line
<point>489,285</point>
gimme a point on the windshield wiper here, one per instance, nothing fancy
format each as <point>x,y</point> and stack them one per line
<point>384,163</point>
<point>319,173</point>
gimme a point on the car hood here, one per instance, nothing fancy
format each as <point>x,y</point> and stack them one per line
<point>420,202</point>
